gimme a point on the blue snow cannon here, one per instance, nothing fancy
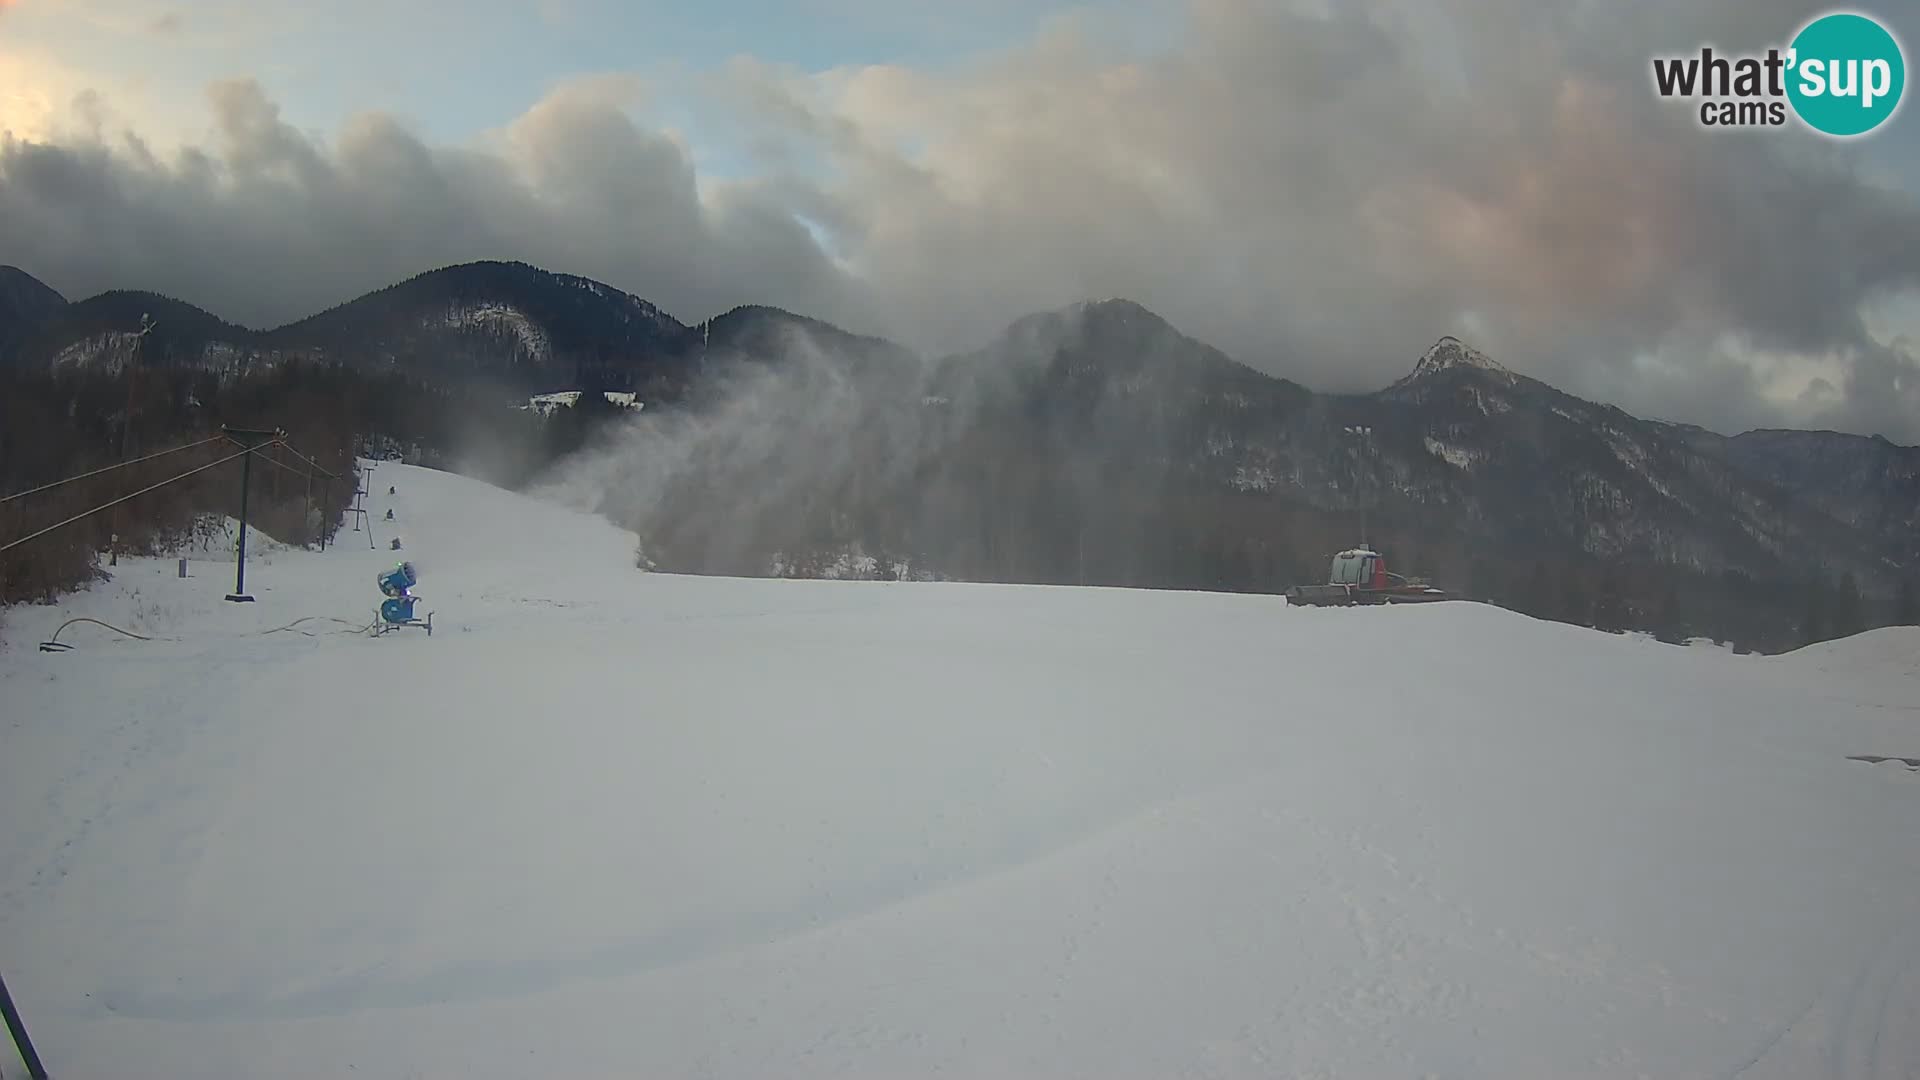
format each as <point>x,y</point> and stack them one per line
<point>397,581</point>
<point>397,609</point>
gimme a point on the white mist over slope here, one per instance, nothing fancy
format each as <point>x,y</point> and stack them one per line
<point>612,823</point>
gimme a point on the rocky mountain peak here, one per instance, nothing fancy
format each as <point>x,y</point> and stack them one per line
<point>1449,353</point>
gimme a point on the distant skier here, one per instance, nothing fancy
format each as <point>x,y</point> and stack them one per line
<point>389,513</point>
<point>389,489</point>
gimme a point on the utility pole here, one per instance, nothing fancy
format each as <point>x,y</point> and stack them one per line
<point>250,440</point>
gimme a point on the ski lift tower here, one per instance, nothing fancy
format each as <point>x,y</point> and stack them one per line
<point>359,508</point>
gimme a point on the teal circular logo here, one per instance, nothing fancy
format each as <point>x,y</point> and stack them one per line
<point>1847,74</point>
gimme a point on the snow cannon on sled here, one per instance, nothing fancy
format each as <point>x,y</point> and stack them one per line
<point>1360,576</point>
<point>396,610</point>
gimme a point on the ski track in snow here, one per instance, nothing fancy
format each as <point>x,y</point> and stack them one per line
<point>606,822</point>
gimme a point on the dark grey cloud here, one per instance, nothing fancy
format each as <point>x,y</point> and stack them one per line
<point>264,224</point>
<point>1321,190</point>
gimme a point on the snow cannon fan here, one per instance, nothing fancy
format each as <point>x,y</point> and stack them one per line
<point>397,609</point>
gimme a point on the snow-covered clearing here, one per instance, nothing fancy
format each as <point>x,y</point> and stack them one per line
<point>610,823</point>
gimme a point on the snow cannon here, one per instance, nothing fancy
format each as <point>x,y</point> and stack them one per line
<point>397,609</point>
<point>397,581</point>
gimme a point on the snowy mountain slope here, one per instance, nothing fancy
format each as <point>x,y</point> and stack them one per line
<point>101,333</point>
<point>1869,483</point>
<point>506,321</point>
<point>613,823</point>
<point>476,323</point>
<point>1525,463</point>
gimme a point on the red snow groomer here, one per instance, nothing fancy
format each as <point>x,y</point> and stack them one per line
<point>1360,576</point>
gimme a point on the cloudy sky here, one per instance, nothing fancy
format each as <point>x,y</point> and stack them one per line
<point>1319,188</point>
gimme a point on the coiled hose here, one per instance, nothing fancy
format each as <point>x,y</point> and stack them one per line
<point>54,644</point>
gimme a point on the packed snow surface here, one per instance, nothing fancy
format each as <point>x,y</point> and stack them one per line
<point>612,823</point>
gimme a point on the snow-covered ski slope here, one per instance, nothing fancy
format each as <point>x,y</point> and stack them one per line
<point>609,823</point>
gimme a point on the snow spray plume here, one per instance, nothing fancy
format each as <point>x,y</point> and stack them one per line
<point>787,447</point>
<point>1043,458</point>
